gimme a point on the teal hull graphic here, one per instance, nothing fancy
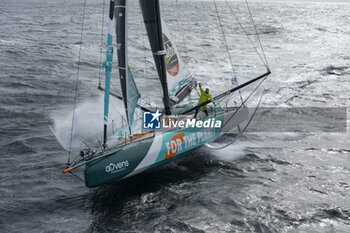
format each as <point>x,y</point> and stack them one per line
<point>137,156</point>
<point>121,161</point>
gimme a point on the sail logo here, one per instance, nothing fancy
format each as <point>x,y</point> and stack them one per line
<point>151,120</point>
<point>174,146</point>
<point>171,59</point>
<point>116,167</point>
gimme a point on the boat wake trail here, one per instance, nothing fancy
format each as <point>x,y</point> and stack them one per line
<point>232,152</point>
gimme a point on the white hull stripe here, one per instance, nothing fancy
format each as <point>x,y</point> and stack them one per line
<point>151,156</point>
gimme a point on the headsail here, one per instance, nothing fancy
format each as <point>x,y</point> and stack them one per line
<point>108,66</point>
<point>127,83</point>
<point>133,96</point>
<point>152,20</point>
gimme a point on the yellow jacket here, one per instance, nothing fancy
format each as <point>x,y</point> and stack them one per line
<point>204,97</point>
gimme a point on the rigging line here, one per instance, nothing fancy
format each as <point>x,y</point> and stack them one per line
<point>225,97</point>
<point>143,35</point>
<point>241,133</point>
<point>76,82</point>
<point>228,100</point>
<point>148,99</point>
<point>201,45</point>
<point>197,92</point>
<point>76,159</point>
<point>224,37</point>
<point>77,176</point>
<point>101,52</point>
<point>78,155</point>
<point>78,164</point>
<point>227,92</point>
<point>178,22</point>
<point>256,31</point>
<point>250,95</point>
<point>227,48</point>
<point>245,32</point>
<point>208,55</point>
<point>256,108</point>
<point>114,107</point>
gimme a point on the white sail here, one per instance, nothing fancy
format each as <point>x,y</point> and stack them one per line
<point>177,74</point>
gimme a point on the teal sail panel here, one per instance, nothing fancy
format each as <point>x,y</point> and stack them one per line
<point>108,66</point>
<point>133,96</point>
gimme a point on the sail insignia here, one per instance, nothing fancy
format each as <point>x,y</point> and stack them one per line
<point>180,81</point>
<point>176,70</point>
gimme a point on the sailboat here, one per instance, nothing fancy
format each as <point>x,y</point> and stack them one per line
<point>137,152</point>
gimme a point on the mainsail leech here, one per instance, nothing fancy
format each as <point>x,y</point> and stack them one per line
<point>108,66</point>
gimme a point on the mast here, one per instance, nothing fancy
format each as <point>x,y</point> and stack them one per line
<point>122,40</point>
<point>152,20</point>
<point>108,66</point>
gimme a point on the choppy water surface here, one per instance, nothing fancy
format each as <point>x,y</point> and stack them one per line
<point>266,182</point>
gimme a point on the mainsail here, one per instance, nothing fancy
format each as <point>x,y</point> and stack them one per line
<point>108,66</point>
<point>128,86</point>
<point>152,20</point>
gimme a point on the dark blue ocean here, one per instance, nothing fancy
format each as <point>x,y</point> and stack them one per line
<point>264,182</point>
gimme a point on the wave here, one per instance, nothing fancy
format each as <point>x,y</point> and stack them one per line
<point>12,42</point>
<point>17,146</point>
<point>336,70</point>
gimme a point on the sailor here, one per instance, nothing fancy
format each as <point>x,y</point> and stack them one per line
<point>205,96</point>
